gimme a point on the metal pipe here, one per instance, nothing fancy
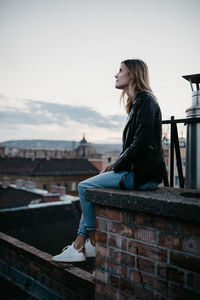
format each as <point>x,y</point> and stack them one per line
<point>172,154</point>
<point>192,179</point>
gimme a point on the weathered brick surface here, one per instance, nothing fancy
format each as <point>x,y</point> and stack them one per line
<point>193,280</point>
<point>68,281</point>
<point>101,237</point>
<point>192,245</point>
<point>180,293</point>
<point>102,250</point>
<point>107,291</point>
<point>170,241</point>
<point>110,213</point>
<point>185,261</point>
<point>121,229</point>
<point>145,235</point>
<point>170,273</point>
<point>122,285</point>
<point>118,242</point>
<point>143,256</point>
<point>147,250</point>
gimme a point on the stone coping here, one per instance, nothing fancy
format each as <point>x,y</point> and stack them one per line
<point>167,202</point>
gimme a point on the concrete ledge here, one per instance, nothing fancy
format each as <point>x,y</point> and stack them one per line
<point>167,202</point>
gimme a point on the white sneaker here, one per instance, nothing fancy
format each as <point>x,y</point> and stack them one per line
<point>70,254</point>
<point>90,250</point>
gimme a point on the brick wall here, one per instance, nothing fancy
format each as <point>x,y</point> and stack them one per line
<point>142,256</point>
<point>35,272</point>
<point>145,256</point>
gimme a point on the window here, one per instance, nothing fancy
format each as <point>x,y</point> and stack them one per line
<point>66,187</point>
<point>183,162</point>
<point>44,187</point>
<point>73,189</point>
<point>176,180</point>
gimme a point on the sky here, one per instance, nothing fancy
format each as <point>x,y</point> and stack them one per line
<point>58,60</point>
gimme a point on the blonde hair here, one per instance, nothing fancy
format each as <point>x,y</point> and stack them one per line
<point>139,73</point>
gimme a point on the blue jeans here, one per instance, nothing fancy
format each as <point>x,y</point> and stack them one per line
<point>105,180</point>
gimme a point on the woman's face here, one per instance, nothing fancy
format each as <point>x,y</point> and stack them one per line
<point>122,78</point>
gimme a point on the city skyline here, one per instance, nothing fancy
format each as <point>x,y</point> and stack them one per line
<point>58,60</point>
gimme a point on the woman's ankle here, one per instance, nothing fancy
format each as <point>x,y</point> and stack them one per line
<point>79,242</point>
<point>92,237</point>
<point>93,242</point>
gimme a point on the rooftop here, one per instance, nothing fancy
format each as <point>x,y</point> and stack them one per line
<point>46,167</point>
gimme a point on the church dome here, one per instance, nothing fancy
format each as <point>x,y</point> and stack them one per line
<point>83,141</point>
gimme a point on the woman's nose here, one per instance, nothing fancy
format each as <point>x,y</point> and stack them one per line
<point>116,75</point>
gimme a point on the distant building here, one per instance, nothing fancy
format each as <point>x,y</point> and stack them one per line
<point>47,172</point>
<point>83,150</point>
<point>13,196</point>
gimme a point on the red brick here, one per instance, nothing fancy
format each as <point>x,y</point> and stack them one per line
<point>100,263</point>
<point>101,224</point>
<point>159,297</point>
<point>135,276</point>
<point>148,279</point>
<point>106,291</point>
<point>101,237</point>
<point>156,222</point>
<point>152,252</point>
<point>97,223</point>
<point>109,213</point>
<point>115,282</point>
<point>170,241</point>
<point>102,250</point>
<point>145,235</point>
<point>185,261</point>
<point>116,269</point>
<point>115,255</point>
<point>122,285</point>
<point>179,293</point>
<point>120,296</point>
<point>189,228</point>
<point>111,267</point>
<point>145,265</point>
<point>160,285</point>
<point>165,224</point>
<point>192,245</point>
<point>121,229</point>
<point>127,259</point>
<point>117,241</point>
<point>193,280</point>
<point>122,258</point>
<point>170,273</point>
<point>143,294</point>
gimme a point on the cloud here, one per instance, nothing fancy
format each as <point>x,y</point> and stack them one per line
<point>15,112</point>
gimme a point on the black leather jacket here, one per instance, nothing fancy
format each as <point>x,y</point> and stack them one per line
<point>142,148</point>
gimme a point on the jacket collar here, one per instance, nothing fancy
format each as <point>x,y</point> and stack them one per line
<point>131,114</point>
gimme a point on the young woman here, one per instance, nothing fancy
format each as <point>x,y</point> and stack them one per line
<point>139,165</point>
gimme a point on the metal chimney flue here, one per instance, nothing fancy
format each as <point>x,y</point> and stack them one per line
<point>192,176</point>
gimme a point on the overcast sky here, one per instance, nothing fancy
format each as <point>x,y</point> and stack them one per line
<point>58,59</point>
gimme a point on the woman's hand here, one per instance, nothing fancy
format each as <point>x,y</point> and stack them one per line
<point>106,169</point>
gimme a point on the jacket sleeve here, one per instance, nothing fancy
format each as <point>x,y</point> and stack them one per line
<point>145,119</point>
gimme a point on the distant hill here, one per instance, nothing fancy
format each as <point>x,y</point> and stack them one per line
<point>52,144</point>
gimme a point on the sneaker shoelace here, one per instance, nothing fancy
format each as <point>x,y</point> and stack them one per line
<point>80,250</point>
<point>65,248</point>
